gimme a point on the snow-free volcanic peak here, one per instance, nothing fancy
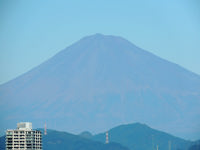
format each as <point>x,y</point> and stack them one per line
<point>100,82</point>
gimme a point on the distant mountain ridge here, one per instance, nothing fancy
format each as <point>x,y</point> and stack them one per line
<point>103,81</point>
<point>55,140</point>
<point>134,136</point>
<point>139,136</point>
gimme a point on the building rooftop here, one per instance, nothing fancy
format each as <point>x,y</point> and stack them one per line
<point>24,126</point>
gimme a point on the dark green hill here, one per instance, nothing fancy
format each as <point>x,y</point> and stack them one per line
<point>56,140</point>
<point>141,137</point>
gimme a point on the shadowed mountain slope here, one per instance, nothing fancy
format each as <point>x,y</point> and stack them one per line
<point>61,140</point>
<point>103,81</point>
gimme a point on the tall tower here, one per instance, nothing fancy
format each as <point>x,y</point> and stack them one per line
<point>45,129</point>
<point>107,141</point>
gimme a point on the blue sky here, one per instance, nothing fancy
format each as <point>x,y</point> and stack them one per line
<point>31,31</point>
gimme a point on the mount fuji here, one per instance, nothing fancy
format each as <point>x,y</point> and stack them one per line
<point>102,81</point>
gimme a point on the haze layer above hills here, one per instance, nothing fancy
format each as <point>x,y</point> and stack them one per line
<point>100,82</point>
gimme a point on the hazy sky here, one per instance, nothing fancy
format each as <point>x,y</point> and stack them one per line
<point>31,31</point>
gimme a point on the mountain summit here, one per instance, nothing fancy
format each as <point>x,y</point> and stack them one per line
<point>100,82</point>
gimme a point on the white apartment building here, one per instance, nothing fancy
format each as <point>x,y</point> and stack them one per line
<point>23,138</point>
